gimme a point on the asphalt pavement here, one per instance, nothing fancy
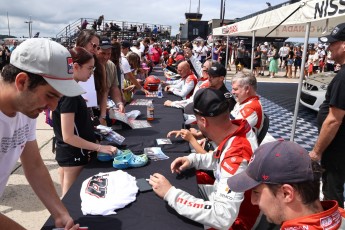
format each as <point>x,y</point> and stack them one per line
<point>20,203</point>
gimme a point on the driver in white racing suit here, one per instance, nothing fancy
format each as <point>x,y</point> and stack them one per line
<point>236,142</point>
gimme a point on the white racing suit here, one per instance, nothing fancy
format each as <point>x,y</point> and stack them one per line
<point>185,87</point>
<point>222,207</point>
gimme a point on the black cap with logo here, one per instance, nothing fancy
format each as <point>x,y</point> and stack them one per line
<point>338,34</point>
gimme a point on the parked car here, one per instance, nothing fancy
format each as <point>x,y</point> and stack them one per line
<point>314,89</point>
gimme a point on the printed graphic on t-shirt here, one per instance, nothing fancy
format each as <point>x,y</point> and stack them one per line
<point>19,138</point>
<point>97,186</point>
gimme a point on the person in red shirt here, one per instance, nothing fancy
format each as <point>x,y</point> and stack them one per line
<point>156,53</point>
<point>285,184</point>
<point>248,105</point>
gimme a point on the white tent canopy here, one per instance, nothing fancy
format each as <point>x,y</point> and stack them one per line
<point>322,14</point>
<point>302,19</point>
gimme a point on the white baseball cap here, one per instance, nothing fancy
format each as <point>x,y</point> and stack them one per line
<point>50,60</point>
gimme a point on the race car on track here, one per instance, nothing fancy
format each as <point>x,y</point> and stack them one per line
<point>314,89</point>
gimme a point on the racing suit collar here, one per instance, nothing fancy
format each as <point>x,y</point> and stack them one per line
<point>329,219</point>
<point>249,99</point>
<point>243,128</point>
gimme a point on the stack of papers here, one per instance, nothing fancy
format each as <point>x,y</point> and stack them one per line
<point>129,118</point>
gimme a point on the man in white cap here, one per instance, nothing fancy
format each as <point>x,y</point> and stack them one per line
<point>38,75</point>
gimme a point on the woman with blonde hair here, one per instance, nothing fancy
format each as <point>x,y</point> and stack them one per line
<point>134,62</point>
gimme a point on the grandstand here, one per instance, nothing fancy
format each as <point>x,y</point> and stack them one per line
<point>124,30</point>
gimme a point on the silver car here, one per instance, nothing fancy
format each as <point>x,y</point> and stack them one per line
<point>314,89</point>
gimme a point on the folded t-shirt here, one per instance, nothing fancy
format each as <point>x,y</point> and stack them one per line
<point>103,193</point>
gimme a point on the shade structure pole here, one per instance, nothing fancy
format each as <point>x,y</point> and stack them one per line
<point>227,51</point>
<point>305,47</point>
<point>252,56</point>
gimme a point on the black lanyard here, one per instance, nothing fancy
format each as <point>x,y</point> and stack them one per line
<point>218,152</point>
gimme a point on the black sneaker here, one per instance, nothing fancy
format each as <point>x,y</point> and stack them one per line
<point>262,74</point>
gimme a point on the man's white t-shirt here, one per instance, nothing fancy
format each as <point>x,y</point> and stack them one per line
<point>174,50</point>
<point>316,59</point>
<point>284,51</point>
<point>125,68</point>
<point>137,51</point>
<point>204,50</point>
<point>142,48</point>
<point>14,133</point>
<point>197,52</point>
<point>264,52</point>
<point>150,48</point>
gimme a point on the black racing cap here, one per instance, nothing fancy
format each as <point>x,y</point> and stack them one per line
<point>210,102</point>
<point>338,34</point>
<point>105,43</point>
<point>217,70</point>
<point>126,44</point>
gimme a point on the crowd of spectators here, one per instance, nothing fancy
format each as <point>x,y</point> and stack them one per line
<point>5,53</point>
<point>108,28</point>
<point>290,58</point>
<point>222,126</point>
<point>271,58</point>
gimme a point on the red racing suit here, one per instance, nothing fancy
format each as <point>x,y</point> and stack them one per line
<point>332,218</point>
<point>185,87</point>
<point>251,110</point>
<point>221,207</point>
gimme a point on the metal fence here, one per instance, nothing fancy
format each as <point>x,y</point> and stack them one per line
<point>121,29</point>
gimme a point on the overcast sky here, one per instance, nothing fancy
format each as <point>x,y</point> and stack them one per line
<point>50,17</point>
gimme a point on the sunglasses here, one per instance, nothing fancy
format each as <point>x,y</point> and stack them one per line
<point>95,46</point>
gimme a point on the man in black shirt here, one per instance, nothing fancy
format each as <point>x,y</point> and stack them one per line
<point>330,145</point>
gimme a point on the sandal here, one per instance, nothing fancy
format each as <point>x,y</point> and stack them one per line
<point>129,160</point>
